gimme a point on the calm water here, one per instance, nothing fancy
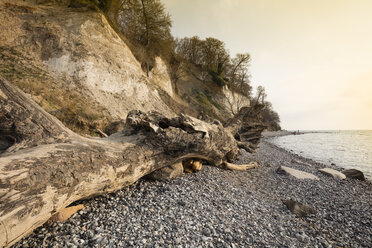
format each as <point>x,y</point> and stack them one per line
<point>347,149</point>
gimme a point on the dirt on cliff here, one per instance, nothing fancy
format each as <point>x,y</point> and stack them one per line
<point>73,64</point>
<point>79,69</point>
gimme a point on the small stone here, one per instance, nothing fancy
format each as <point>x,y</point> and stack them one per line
<point>299,209</point>
<point>354,174</point>
<point>302,237</point>
<point>206,232</point>
<point>205,239</point>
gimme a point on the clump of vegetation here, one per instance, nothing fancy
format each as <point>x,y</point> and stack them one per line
<point>206,100</point>
<point>202,99</point>
<point>211,56</point>
<point>217,78</point>
<point>95,4</point>
<point>145,26</point>
<point>268,115</point>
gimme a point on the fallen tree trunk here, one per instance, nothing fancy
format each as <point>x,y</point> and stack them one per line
<point>45,167</point>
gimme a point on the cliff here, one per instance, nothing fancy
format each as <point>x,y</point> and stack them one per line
<point>79,69</point>
<point>72,63</point>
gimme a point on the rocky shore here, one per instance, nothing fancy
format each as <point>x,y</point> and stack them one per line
<point>219,208</point>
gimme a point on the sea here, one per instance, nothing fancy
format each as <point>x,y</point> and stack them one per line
<point>346,149</point>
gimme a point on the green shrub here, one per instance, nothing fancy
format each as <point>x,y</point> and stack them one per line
<point>214,103</point>
<point>203,100</point>
<point>206,100</point>
<point>217,79</point>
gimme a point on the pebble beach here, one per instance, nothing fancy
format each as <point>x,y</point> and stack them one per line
<point>220,208</point>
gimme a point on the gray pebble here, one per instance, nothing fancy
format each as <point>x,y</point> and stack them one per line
<point>218,208</point>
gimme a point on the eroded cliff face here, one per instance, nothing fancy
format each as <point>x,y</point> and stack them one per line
<point>207,97</point>
<point>160,76</point>
<point>76,52</point>
<point>78,68</point>
<point>100,61</point>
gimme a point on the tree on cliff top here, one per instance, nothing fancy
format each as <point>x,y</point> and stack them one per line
<point>145,21</point>
<point>238,74</point>
<point>146,25</point>
<point>268,115</point>
<point>210,54</point>
<point>212,57</point>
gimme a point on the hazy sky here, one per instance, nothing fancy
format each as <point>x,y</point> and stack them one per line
<point>314,57</point>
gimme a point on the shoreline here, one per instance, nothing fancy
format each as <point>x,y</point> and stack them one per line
<point>273,134</point>
<point>219,208</point>
<point>267,136</point>
<point>291,153</point>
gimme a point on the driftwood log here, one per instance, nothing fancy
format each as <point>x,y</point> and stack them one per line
<point>45,167</point>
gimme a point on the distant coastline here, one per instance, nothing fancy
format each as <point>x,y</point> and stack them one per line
<point>271,134</point>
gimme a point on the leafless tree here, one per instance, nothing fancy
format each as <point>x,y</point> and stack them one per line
<point>239,84</point>
<point>238,74</point>
<point>260,95</point>
<point>235,101</point>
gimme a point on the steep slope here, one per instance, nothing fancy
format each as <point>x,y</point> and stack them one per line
<point>74,64</point>
<point>79,69</point>
<point>198,89</point>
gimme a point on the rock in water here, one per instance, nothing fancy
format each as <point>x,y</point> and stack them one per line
<point>283,170</point>
<point>354,174</point>
<point>333,173</point>
<point>168,173</point>
<point>298,209</point>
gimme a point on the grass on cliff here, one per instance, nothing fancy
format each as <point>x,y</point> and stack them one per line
<point>207,104</point>
<point>77,112</point>
<point>206,100</point>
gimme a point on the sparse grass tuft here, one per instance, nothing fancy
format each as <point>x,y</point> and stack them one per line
<point>206,100</point>
<point>80,114</point>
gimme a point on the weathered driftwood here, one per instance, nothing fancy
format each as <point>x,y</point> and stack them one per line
<point>44,166</point>
<point>247,127</point>
<point>65,213</point>
<point>241,167</point>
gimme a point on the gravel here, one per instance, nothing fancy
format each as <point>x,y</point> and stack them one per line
<point>219,208</point>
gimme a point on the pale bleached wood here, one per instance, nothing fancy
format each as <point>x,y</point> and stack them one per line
<point>241,167</point>
<point>45,167</point>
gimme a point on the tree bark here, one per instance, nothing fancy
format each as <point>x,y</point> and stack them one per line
<point>45,167</point>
